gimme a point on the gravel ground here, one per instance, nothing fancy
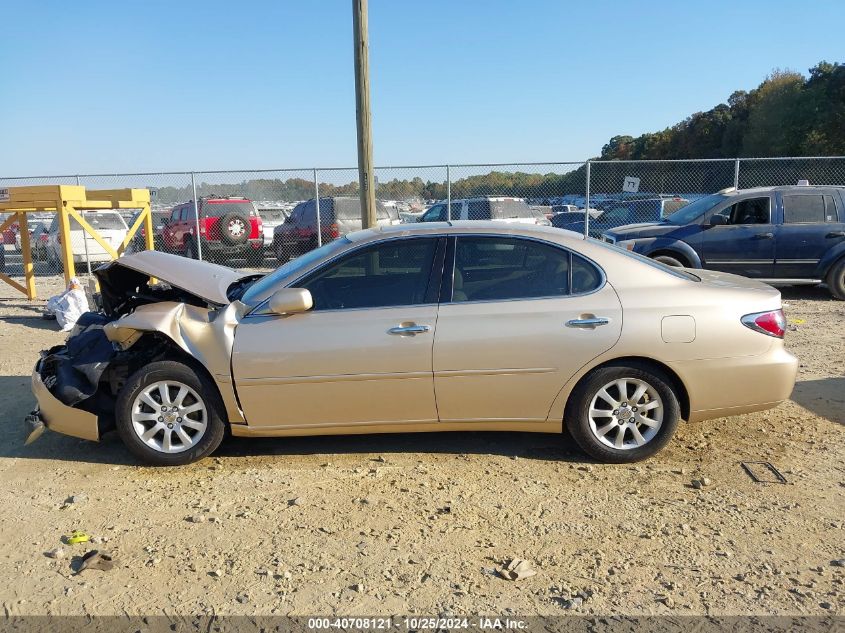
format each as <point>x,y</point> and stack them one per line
<point>407,524</point>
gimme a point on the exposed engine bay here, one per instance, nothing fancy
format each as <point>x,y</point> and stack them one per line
<point>140,322</point>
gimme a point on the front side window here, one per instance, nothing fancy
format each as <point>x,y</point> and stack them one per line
<point>502,268</point>
<point>748,211</point>
<point>393,273</point>
<point>803,209</point>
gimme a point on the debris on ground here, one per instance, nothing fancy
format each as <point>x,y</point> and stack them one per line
<point>517,569</point>
<point>95,560</point>
<point>77,536</point>
<point>57,553</point>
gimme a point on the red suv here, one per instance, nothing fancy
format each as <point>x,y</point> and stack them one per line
<point>228,228</point>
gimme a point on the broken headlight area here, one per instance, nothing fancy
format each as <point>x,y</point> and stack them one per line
<point>72,372</point>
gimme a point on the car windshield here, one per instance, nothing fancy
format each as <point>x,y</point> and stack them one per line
<point>260,287</point>
<point>694,210</point>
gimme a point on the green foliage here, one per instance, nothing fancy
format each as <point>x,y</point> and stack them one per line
<point>788,114</point>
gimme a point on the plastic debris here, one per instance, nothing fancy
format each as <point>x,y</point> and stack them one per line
<point>96,560</point>
<point>517,569</point>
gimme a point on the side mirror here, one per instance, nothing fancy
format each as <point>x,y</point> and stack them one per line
<point>290,301</point>
<point>718,220</point>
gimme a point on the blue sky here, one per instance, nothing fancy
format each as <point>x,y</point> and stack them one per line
<point>90,86</point>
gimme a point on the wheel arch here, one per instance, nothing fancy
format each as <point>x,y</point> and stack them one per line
<point>641,362</point>
<point>681,257</point>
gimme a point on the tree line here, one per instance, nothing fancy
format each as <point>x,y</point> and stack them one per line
<point>788,114</point>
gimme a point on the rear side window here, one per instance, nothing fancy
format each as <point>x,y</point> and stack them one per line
<point>110,221</point>
<point>507,209</point>
<point>501,268</point>
<point>805,209</point>
<point>478,210</point>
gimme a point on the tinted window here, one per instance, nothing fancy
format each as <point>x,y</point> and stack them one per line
<point>393,273</point>
<point>585,276</point>
<point>219,209</point>
<point>478,210</point>
<point>830,209</point>
<point>500,268</point>
<point>802,209</point>
<point>748,211</point>
<point>506,209</point>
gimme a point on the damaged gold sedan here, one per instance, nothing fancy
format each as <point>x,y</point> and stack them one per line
<point>439,327</point>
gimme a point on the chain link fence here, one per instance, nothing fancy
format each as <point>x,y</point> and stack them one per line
<point>261,218</point>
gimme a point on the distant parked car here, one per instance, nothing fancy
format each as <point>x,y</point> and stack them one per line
<point>565,208</point>
<point>784,235</point>
<point>109,225</point>
<point>338,216</point>
<point>139,240</point>
<point>620,212</point>
<point>495,208</point>
<point>229,227</point>
<point>271,217</point>
<point>38,236</point>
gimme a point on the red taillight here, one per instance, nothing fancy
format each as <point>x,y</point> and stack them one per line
<point>43,237</point>
<point>334,231</point>
<point>771,323</point>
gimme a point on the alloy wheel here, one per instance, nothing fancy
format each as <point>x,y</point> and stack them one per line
<point>626,414</point>
<point>169,416</point>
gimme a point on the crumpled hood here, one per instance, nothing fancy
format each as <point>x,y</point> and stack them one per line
<point>201,279</point>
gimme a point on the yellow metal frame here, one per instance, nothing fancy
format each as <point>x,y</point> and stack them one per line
<point>68,201</point>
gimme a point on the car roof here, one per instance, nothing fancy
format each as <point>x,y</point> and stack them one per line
<point>790,188</point>
<point>463,226</point>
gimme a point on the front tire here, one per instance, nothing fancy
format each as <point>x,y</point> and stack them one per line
<point>168,414</point>
<point>623,413</point>
<point>836,280</point>
<point>190,249</point>
<point>669,261</point>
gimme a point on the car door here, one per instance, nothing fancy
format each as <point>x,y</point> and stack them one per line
<point>811,224</point>
<point>361,357</point>
<point>745,244</point>
<point>515,326</point>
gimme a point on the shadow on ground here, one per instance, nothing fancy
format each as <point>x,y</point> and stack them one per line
<point>18,401</point>
<point>824,397</point>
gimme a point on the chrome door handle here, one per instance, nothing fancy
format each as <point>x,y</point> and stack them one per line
<point>410,329</point>
<point>591,323</point>
<point>764,236</point>
<point>836,234</point>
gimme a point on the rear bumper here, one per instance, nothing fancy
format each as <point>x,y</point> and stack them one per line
<point>59,417</point>
<point>732,386</point>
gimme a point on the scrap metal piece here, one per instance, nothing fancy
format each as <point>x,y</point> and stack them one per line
<point>758,479</point>
<point>35,425</point>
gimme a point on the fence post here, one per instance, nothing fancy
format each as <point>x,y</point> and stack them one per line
<point>77,180</point>
<point>736,174</point>
<point>196,217</point>
<point>448,194</point>
<point>587,204</point>
<point>317,198</point>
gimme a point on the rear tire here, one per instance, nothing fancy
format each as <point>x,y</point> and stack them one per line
<point>164,434</point>
<point>620,428</point>
<point>669,261</point>
<point>836,280</point>
<point>190,249</point>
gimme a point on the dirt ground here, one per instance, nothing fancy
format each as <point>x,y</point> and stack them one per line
<point>409,524</point>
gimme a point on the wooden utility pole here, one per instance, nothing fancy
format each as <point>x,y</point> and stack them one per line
<point>362,114</point>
